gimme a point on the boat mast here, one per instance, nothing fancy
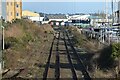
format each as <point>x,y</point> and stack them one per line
<point>106,11</point>
<point>112,6</point>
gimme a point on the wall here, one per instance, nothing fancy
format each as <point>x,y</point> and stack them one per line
<point>36,18</point>
<point>12,9</point>
<point>27,13</point>
<point>0,7</point>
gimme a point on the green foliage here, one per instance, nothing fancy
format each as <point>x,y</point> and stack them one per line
<point>27,38</point>
<point>78,38</point>
<point>105,60</point>
<point>28,33</point>
<point>116,50</point>
<point>10,42</point>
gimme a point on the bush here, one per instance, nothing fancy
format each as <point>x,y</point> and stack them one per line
<point>10,41</point>
<point>27,38</point>
<point>78,38</point>
<point>116,55</point>
<point>109,55</point>
<point>116,50</point>
<point>105,61</point>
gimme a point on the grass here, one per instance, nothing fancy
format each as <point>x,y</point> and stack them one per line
<point>96,55</point>
<point>26,44</point>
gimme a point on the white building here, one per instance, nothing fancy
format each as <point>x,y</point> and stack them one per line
<point>117,15</point>
<point>99,21</point>
<point>57,17</point>
<point>79,17</point>
<point>36,18</point>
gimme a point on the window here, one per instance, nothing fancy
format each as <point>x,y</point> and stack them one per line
<point>7,3</point>
<point>17,14</point>
<point>11,3</point>
<point>17,5</point>
<point>8,13</point>
<point>11,13</point>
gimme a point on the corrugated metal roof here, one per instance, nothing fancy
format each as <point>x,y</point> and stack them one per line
<point>95,17</point>
<point>56,16</point>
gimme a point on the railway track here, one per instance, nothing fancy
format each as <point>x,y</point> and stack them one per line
<point>57,64</point>
<point>69,59</point>
<point>79,61</point>
<point>48,61</point>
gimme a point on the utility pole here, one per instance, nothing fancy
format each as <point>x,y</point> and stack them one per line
<point>3,47</point>
<point>1,40</point>
<point>39,18</point>
<point>2,66</point>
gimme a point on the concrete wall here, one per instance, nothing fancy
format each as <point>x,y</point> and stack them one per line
<point>0,7</point>
<point>36,18</point>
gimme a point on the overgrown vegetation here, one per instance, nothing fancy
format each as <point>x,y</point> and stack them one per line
<point>116,56</point>
<point>25,43</point>
<point>78,38</point>
<point>102,59</point>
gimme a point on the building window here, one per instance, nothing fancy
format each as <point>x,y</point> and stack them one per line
<point>17,5</point>
<point>11,3</point>
<point>7,3</point>
<point>8,13</point>
<point>17,14</point>
<point>11,13</point>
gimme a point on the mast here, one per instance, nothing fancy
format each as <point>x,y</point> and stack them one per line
<point>106,11</point>
<point>0,8</point>
<point>112,6</point>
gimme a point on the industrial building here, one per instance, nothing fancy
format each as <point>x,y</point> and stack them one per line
<point>33,16</point>
<point>80,20</point>
<point>56,19</point>
<point>117,15</point>
<point>27,13</point>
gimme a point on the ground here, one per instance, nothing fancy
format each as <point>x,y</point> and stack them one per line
<point>28,55</point>
<point>97,57</point>
<point>27,47</point>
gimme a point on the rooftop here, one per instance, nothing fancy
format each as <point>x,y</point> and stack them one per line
<point>56,16</point>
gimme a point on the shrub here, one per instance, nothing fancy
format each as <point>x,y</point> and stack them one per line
<point>28,37</point>
<point>116,55</point>
<point>10,41</point>
<point>116,50</point>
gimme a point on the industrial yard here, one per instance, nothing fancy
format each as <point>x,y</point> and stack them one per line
<point>54,54</point>
<point>59,40</point>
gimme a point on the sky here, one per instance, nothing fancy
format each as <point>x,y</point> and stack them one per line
<point>67,7</point>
